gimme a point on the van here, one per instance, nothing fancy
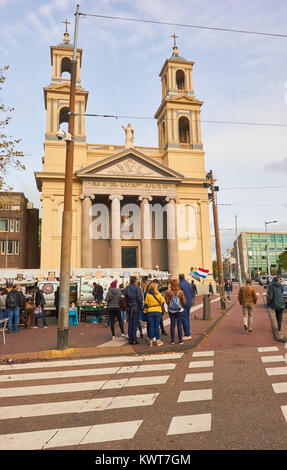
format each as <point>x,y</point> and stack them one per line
<point>49,288</point>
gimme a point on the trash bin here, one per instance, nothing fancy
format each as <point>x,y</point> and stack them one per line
<point>206,307</point>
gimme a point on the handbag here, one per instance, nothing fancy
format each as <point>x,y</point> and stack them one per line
<point>37,311</point>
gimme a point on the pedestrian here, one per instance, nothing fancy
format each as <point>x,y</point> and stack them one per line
<point>13,308</point>
<point>161,325</point>
<point>153,307</point>
<point>228,289</point>
<point>3,309</point>
<point>188,291</point>
<point>134,301</point>
<point>194,292</point>
<point>57,301</point>
<point>114,310</point>
<point>277,300</point>
<point>247,298</point>
<point>123,305</point>
<point>22,306</point>
<point>210,288</point>
<point>98,292</point>
<point>175,300</point>
<point>39,311</point>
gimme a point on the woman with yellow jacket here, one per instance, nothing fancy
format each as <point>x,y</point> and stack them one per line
<point>153,307</point>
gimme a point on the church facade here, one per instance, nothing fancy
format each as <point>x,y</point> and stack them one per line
<point>133,207</point>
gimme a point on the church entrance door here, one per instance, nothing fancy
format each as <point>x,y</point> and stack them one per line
<point>129,257</point>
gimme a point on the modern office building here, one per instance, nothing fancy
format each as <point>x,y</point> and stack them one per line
<point>254,248</point>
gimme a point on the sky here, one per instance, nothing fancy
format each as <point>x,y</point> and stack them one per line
<point>239,77</point>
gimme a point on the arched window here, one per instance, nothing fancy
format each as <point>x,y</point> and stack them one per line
<point>180,80</point>
<point>66,67</point>
<point>64,118</point>
<point>184,130</point>
<point>163,139</point>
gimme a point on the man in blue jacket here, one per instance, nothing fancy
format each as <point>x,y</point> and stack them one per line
<point>134,301</point>
<point>187,289</point>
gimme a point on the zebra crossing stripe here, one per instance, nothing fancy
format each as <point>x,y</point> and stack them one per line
<point>194,364</point>
<point>276,371</point>
<point>268,349</point>
<point>76,406</point>
<point>272,358</point>
<point>199,377</point>
<point>280,387</point>
<point>190,424</point>
<point>49,438</point>
<point>203,353</point>
<point>195,395</point>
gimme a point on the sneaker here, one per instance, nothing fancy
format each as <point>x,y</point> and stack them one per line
<point>150,343</point>
<point>125,336</point>
<point>181,343</point>
<point>250,331</point>
<point>245,327</point>
<point>186,337</point>
<point>34,327</point>
<point>45,327</point>
<point>159,342</point>
<point>172,342</point>
<point>113,338</point>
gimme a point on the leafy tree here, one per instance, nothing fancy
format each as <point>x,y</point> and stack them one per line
<point>10,157</point>
<point>282,260</point>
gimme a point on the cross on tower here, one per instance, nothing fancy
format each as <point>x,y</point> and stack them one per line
<point>66,23</point>
<point>174,36</point>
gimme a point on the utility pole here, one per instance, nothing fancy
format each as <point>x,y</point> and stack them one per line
<point>66,243</point>
<point>217,239</point>
<point>237,255</point>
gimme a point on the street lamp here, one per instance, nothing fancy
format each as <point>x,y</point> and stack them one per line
<point>267,244</point>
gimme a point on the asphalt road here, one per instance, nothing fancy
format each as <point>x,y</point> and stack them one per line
<point>226,394</point>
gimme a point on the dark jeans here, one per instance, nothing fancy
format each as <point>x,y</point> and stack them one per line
<point>176,317</point>
<point>115,314</point>
<point>279,314</point>
<point>186,320</point>
<point>38,316</point>
<point>133,319</point>
<point>153,324</point>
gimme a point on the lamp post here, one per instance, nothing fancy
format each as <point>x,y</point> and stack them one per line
<point>267,244</point>
<point>66,242</point>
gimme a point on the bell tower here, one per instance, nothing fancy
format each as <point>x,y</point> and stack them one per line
<point>57,94</point>
<point>178,116</point>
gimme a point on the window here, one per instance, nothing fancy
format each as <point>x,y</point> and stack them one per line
<point>17,225</point>
<point>11,225</point>
<point>180,80</point>
<point>184,130</point>
<point>17,247</point>
<point>9,247</point>
<point>4,225</point>
<point>15,208</point>
<point>3,247</point>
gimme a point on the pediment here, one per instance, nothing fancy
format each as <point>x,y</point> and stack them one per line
<point>129,164</point>
<point>186,99</point>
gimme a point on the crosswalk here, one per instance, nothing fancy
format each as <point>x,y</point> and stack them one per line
<point>71,393</point>
<point>276,371</point>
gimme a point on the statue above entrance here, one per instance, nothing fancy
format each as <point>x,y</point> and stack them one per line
<point>130,133</point>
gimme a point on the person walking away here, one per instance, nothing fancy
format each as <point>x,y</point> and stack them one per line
<point>22,306</point>
<point>188,291</point>
<point>153,307</point>
<point>194,292</point>
<point>210,289</point>
<point>3,309</point>
<point>228,289</point>
<point>134,301</point>
<point>247,298</point>
<point>98,293</point>
<point>175,300</point>
<point>39,304</point>
<point>277,300</point>
<point>114,310</point>
<point>57,301</point>
<point>13,307</point>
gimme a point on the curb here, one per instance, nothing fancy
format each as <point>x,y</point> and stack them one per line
<point>73,353</point>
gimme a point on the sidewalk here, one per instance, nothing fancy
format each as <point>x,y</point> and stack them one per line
<point>94,339</point>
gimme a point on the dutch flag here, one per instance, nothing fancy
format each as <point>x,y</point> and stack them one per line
<point>202,272</point>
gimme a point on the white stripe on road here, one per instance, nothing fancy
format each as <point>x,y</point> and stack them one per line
<point>83,386</point>
<point>201,364</point>
<point>195,395</point>
<point>284,411</point>
<point>198,377</point>
<point>268,349</point>
<point>69,436</point>
<point>203,353</point>
<point>272,358</point>
<point>147,368</point>
<point>276,371</point>
<point>281,387</point>
<point>190,424</point>
<point>77,406</point>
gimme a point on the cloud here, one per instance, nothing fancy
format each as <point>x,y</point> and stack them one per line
<point>277,166</point>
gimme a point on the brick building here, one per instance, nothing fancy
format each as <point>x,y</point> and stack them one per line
<point>19,235</point>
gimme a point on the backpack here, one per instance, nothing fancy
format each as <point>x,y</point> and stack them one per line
<point>175,304</point>
<point>12,299</point>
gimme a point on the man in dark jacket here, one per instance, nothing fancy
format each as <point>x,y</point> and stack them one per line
<point>13,307</point>
<point>134,301</point>
<point>277,300</point>
<point>57,301</point>
<point>22,306</point>
<point>40,302</point>
<point>187,289</point>
<point>98,292</point>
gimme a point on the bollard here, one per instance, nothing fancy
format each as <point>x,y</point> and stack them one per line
<point>206,307</point>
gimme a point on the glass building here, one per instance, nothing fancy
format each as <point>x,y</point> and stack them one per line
<point>253,251</point>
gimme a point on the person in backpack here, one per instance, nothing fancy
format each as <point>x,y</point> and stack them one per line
<point>176,302</point>
<point>13,308</point>
<point>39,304</point>
<point>153,307</point>
<point>134,301</point>
<point>113,305</point>
<point>188,291</point>
<point>277,301</point>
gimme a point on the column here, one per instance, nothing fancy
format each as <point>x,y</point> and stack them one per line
<point>172,241</point>
<point>116,255</point>
<point>146,232</point>
<point>87,241</point>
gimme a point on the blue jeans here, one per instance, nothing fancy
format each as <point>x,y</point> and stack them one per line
<point>186,320</point>
<point>133,319</point>
<point>124,315</point>
<point>153,320</point>
<point>13,313</point>
<point>4,313</point>
<point>41,315</point>
<point>176,317</point>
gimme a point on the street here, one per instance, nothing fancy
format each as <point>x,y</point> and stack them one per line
<point>228,393</point>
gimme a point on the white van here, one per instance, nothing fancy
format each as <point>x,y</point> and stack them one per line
<point>49,288</point>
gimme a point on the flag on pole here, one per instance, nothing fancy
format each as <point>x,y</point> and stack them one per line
<point>201,273</point>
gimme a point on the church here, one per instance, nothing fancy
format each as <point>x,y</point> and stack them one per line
<point>133,207</point>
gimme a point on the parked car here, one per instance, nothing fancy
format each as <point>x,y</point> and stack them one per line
<point>49,288</point>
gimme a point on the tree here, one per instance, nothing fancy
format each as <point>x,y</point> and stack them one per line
<point>10,157</point>
<point>282,261</point>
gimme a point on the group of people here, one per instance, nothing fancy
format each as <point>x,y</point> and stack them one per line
<point>149,304</point>
<point>13,305</point>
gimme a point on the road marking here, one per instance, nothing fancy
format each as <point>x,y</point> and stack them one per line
<point>203,353</point>
<point>201,364</point>
<point>272,358</point>
<point>147,368</point>
<point>198,377</point>
<point>190,424</point>
<point>268,349</point>
<point>276,371</point>
<point>281,387</point>
<point>76,406</point>
<point>69,436</point>
<point>83,386</point>
<point>195,395</point>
